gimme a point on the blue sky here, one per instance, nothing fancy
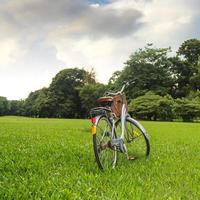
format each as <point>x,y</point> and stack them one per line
<point>99,1</point>
<point>40,38</point>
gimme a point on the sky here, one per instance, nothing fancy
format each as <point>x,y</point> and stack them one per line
<point>39,38</point>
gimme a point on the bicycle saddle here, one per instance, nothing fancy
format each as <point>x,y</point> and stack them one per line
<point>105,99</point>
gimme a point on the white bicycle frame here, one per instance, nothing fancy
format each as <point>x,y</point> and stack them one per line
<point>124,115</point>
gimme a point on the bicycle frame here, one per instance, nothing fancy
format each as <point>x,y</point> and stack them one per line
<point>123,118</point>
<point>119,142</point>
<point>115,128</point>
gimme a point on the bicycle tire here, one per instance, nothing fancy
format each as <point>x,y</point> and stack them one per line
<point>105,156</point>
<point>133,131</point>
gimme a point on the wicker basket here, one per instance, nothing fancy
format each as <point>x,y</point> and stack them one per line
<point>117,103</point>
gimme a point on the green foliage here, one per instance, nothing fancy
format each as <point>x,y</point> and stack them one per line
<point>155,107</point>
<point>4,106</point>
<point>186,68</point>
<point>149,68</point>
<point>17,107</point>
<point>90,77</point>
<point>152,107</point>
<point>74,91</point>
<point>63,92</point>
<point>54,159</point>
<point>194,95</point>
<point>187,109</point>
<point>36,102</point>
<point>183,72</point>
<point>89,94</point>
<point>195,82</point>
<point>114,77</point>
<point>153,70</point>
<point>190,49</point>
<point>67,95</point>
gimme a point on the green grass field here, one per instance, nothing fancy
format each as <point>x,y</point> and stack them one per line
<point>53,159</point>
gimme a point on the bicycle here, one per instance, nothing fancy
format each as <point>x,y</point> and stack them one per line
<point>114,130</point>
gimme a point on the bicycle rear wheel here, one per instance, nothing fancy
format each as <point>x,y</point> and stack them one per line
<point>105,156</point>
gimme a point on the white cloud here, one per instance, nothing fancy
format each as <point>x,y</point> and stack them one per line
<point>8,52</point>
<point>39,38</point>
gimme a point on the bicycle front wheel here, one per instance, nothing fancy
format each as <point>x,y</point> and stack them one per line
<point>105,156</point>
<point>136,139</point>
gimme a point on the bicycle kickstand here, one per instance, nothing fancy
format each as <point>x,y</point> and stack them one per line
<point>128,157</point>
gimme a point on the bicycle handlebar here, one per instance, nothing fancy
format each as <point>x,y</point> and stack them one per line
<point>121,91</point>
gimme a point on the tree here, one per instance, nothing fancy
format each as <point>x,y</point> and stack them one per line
<point>114,77</point>
<point>152,107</point>
<point>149,68</point>
<point>195,82</point>
<point>195,79</point>
<point>187,109</point>
<point>190,50</point>
<point>4,107</point>
<point>186,68</point>
<point>64,94</point>
<point>16,107</point>
<point>182,71</point>
<point>89,94</point>
<point>62,98</point>
<point>194,95</point>
<point>90,77</point>
<point>165,110</point>
<point>35,104</point>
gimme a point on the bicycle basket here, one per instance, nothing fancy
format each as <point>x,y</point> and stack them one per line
<point>117,103</point>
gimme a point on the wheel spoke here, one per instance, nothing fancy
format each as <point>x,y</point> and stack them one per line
<point>105,155</point>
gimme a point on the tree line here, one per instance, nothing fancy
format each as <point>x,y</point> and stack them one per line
<point>166,87</point>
